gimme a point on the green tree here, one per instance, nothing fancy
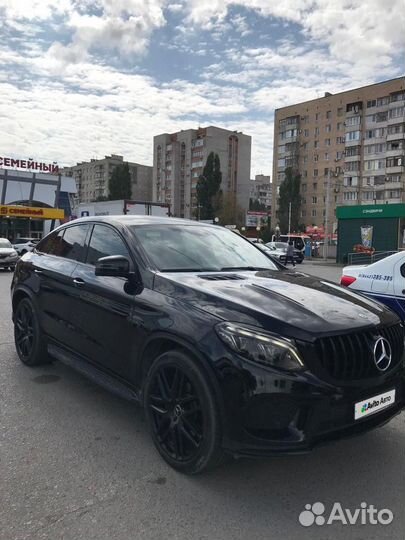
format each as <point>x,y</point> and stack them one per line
<point>290,193</point>
<point>120,183</point>
<point>208,186</point>
<point>230,213</point>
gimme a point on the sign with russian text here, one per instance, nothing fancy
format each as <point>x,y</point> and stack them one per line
<point>31,212</point>
<point>29,165</point>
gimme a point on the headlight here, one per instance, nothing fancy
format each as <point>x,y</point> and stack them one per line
<point>260,347</point>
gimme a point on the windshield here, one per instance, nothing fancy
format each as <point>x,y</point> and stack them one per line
<point>196,248</point>
<point>4,243</point>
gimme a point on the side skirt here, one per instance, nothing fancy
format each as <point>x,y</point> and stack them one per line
<point>109,382</point>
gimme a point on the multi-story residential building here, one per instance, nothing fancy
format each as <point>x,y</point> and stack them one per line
<point>261,190</point>
<point>353,142</point>
<point>179,159</point>
<point>92,178</point>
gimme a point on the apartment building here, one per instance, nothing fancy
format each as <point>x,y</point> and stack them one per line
<point>179,159</point>
<point>353,142</point>
<point>92,178</point>
<point>261,190</point>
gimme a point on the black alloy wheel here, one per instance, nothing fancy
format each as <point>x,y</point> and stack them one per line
<point>28,337</point>
<point>182,413</point>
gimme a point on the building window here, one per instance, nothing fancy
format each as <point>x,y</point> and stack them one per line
<point>350,181</point>
<point>328,128</point>
<point>304,187</point>
<point>350,196</point>
<point>314,200</point>
<point>352,136</point>
<point>315,172</point>
<point>317,116</point>
<point>316,157</point>
<point>339,126</point>
<point>340,140</point>
<point>353,121</point>
<point>316,131</point>
<point>303,213</point>
<point>326,171</point>
<point>306,132</point>
<point>327,142</point>
<point>316,144</point>
<point>313,213</point>
<point>315,186</point>
<point>304,174</point>
<point>340,111</point>
<point>339,154</point>
<point>326,157</point>
<point>397,161</point>
<point>328,115</point>
<point>396,112</point>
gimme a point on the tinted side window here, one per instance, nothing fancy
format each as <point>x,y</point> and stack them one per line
<point>52,244</point>
<point>73,242</point>
<point>104,242</point>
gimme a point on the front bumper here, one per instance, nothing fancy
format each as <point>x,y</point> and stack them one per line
<point>8,261</point>
<point>283,413</point>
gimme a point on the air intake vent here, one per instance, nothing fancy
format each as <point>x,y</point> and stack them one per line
<point>222,277</point>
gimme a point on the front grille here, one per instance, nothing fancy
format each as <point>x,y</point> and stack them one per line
<point>350,357</point>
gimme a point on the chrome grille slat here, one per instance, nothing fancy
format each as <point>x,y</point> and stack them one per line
<point>349,357</point>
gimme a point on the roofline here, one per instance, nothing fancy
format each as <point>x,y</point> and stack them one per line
<point>342,92</point>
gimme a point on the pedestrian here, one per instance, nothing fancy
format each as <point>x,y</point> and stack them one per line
<point>290,253</point>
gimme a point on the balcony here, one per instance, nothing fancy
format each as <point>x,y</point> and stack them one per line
<point>349,159</point>
<point>396,120</point>
<point>395,136</point>
<point>394,152</point>
<point>398,169</point>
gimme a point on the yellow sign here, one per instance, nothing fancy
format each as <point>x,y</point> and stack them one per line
<point>31,212</point>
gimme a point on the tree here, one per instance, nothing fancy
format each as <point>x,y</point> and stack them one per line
<point>230,213</point>
<point>120,183</point>
<point>290,193</point>
<point>208,186</point>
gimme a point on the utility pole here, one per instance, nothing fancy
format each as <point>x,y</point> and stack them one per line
<point>326,239</point>
<point>289,217</point>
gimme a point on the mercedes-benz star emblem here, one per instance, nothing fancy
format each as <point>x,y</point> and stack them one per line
<point>382,354</point>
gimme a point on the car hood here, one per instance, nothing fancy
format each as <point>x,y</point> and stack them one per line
<point>292,303</point>
<point>7,251</point>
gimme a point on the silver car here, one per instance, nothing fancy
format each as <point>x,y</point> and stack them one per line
<point>8,255</point>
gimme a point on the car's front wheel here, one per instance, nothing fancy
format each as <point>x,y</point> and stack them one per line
<point>182,413</point>
<point>28,336</point>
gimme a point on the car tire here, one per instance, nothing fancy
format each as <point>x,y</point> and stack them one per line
<point>29,339</point>
<point>182,413</point>
<point>11,268</point>
<point>23,252</point>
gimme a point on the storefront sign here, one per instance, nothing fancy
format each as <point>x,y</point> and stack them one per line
<point>29,165</point>
<point>31,212</point>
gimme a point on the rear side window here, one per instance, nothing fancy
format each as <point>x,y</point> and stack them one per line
<point>52,244</point>
<point>73,242</point>
<point>105,241</point>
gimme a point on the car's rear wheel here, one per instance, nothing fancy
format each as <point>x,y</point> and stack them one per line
<point>23,252</point>
<point>182,413</point>
<point>28,336</point>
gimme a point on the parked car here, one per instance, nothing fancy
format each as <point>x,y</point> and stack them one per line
<point>8,255</point>
<point>383,280</point>
<point>23,245</point>
<point>227,351</point>
<point>281,248</point>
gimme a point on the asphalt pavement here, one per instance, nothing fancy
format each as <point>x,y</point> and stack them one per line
<point>77,463</point>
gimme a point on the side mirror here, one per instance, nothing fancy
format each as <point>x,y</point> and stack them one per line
<point>114,265</point>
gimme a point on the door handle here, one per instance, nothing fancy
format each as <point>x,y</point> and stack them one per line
<point>79,282</point>
<point>36,271</point>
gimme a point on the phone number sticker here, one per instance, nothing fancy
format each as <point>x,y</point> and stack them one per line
<point>377,277</point>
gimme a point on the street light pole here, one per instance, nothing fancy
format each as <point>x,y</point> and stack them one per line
<point>289,217</point>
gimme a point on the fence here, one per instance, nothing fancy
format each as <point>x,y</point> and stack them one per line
<point>364,258</point>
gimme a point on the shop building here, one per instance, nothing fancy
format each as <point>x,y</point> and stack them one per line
<point>31,203</point>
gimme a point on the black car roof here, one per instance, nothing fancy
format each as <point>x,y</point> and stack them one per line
<point>141,220</point>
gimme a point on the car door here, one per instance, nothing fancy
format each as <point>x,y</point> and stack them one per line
<point>53,263</point>
<point>398,286</point>
<point>103,309</point>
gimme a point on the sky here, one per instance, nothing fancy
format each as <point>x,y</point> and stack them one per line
<point>81,79</point>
